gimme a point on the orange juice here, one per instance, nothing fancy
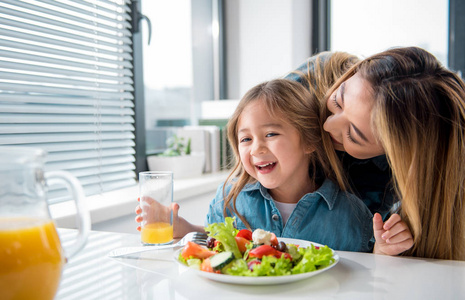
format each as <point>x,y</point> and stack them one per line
<point>157,233</point>
<point>31,259</point>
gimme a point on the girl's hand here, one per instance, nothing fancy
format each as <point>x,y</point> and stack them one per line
<point>154,205</point>
<point>139,218</point>
<point>392,237</point>
<point>180,226</point>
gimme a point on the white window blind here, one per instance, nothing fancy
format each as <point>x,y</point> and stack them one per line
<point>66,86</point>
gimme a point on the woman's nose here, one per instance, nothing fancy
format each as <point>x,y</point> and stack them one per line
<point>331,123</point>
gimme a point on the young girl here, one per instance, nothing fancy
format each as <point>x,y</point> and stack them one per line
<point>280,182</point>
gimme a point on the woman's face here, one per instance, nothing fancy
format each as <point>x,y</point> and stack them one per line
<point>349,123</point>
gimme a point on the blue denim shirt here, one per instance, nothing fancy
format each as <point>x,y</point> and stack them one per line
<point>327,216</point>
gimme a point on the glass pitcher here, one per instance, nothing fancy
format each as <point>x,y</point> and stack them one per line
<point>31,255</point>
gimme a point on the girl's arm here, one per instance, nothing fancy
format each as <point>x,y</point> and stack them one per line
<point>392,237</point>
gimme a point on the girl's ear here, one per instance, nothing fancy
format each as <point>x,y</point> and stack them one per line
<point>309,150</point>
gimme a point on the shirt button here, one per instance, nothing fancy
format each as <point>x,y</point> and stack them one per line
<point>275,217</point>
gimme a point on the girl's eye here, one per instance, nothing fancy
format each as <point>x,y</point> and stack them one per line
<point>271,134</point>
<point>243,140</point>
<point>335,102</point>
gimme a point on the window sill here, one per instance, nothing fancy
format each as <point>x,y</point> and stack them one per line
<point>122,202</point>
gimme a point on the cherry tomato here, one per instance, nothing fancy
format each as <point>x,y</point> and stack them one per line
<point>267,250</point>
<point>274,240</point>
<point>241,243</point>
<point>206,266</point>
<point>195,250</point>
<point>245,233</point>
<point>252,263</point>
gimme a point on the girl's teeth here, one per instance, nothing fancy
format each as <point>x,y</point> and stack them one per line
<point>261,166</point>
<point>265,165</point>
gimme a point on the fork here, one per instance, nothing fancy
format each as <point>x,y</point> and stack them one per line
<point>196,237</point>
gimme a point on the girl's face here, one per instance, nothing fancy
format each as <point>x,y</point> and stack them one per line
<point>349,125</point>
<point>271,150</point>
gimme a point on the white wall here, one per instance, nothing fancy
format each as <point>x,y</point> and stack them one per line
<point>265,39</point>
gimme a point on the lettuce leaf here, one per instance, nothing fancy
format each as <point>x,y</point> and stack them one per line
<point>239,267</point>
<point>313,259</point>
<point>272,266</point>
<point>225,233</point>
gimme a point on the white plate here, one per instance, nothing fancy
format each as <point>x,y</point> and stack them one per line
<point>262,280</point>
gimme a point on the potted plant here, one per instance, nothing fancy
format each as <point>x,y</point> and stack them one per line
<point>178,158</point>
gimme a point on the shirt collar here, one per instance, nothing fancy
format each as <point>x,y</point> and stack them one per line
<point>328,191</point>
<point>257,186</point>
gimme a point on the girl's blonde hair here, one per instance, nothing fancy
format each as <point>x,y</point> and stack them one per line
<point>419,117</point>
<point>291,102</point>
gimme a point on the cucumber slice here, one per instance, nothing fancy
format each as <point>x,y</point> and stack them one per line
<point>220,260</point>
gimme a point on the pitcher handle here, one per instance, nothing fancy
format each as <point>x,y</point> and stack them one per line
<point>82,216</point>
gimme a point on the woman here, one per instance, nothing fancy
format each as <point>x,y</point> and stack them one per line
<point>403,103</point>
<point>368,178</point>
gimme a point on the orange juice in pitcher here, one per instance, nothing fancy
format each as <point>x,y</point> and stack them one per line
<point>31,258</point>
<point>31,255</point>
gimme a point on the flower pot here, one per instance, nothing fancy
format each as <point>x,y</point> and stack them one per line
<point>183,166</point>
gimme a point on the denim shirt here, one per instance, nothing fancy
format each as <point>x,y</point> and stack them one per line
<point>327,216</point>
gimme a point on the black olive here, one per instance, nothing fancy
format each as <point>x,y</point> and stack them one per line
<point>281,247</point>
<point>211,242</point>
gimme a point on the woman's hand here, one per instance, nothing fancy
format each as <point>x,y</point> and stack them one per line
<point>392,237</point>
<point>181,227</point>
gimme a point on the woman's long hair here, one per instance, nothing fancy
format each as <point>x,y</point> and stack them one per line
<point>419,117</point>
<point>321,73</point>
<point>286,100</point>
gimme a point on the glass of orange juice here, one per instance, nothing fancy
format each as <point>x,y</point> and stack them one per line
<point>156,197</point>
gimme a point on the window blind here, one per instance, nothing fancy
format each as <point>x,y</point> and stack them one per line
<point>66,86</point>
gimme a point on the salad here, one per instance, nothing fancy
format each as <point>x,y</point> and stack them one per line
<point>245,253</point>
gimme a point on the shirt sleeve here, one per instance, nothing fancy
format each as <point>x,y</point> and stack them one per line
<point>215,211</point>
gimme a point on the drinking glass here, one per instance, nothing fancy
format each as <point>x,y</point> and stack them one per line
<point>156,196</point>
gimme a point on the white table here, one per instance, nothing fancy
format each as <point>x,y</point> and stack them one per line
<point>92,275</point>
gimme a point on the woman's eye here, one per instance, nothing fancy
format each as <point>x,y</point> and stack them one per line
<point>349,137</point>
<point>335,102</point>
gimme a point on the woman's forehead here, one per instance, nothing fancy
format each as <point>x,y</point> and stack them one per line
<point>358,88</point>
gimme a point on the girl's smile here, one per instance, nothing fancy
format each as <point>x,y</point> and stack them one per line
<point>265,168</point>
